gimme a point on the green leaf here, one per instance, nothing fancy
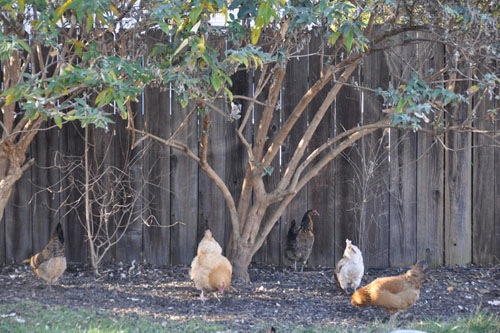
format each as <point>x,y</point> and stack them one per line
<point>183,44</point>
<point>90,23</point>
<point>348,38</point>
<point>103,97</point>
<point>195,27</point>
<point>24,45</point>
<point>120,103</point>
<point>10,98</point>
<point>58,120</point>
<point>229,93</point>
<point>255,35</point>
<point>61,10</point>
<point>334,37</point>
<point>195,14</point>
<point>259,22</point>
<point>268,171</point>
<point>216,81</point>
<point>400,106</point>
<point>12,95</point>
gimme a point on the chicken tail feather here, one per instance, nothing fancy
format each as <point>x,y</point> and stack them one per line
<point>60,234</point>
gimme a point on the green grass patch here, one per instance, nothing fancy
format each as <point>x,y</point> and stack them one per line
<point>35,317</point>
<point>475,323</point>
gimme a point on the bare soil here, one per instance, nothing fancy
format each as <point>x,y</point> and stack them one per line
<point>276,295</point>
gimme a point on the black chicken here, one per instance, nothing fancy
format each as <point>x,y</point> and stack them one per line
<point>300,240</point>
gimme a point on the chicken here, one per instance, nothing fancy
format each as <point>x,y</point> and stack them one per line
<point>210,270</point>
<point>300,240</point>
<point>50,263</point>
<point>350,269</point>
<point>394,293</point>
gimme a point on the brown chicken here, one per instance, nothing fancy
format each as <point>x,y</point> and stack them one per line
<point>394,293</point>
<point>50,263</point>
<point>350,269</point>
<point>300,240</point>
<point>210,270</point>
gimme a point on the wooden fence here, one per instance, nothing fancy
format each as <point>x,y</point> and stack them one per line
<point>401,196</point>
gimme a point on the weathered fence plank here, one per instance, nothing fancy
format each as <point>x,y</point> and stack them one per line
<point>45,176</point>
<point>402,62</point>
<point>430,200</point>
<point>184,184</point>
<point>271,252</point>
<point>321,189</point>
<point>296,83</point>
<point>101,157</point>
<point>373,168</point>
<point>19,217</point>
<point>212,206</point>
<point>403,231</point>
<point>130,248</point>
<point>485,233</point>
<point>235,165</point>
<point>495,250</point>
<point>72,148</point>
<point>347,215</point>
<point>458,197</point>
<point>211,203</point>
<point>430,180</point>
<point>263,253</point>
<point>156,230</point>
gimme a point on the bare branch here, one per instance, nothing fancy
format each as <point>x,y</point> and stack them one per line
<point>308,134</point>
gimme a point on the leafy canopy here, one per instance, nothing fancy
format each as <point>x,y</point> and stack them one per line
<point>86,58</point>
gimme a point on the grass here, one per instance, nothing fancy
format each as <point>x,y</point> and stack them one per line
<point>475,323</point>
<point>35,317</point>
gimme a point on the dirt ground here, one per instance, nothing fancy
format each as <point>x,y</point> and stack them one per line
<point>276,295</point>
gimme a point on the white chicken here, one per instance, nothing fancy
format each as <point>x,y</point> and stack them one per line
<point>350,269</point>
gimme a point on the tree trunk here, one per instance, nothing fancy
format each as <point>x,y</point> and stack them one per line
<point>6,186</point>
<point>16,137</point>
<point>10,173</point>
<point>240,257</point>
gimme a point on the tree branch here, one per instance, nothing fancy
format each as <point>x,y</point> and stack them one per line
<point>351,137</point>
<point>306,138</point>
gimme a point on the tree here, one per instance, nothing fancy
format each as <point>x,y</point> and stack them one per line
<point>262,36</point>
<point>265,35</point>
<point>61,61</point>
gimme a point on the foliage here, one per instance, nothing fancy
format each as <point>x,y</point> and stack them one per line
<point>68,73</point>
<point>416,101</point>
<point>88,62</point>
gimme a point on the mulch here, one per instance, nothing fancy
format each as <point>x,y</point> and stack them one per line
<point>276,295</point>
